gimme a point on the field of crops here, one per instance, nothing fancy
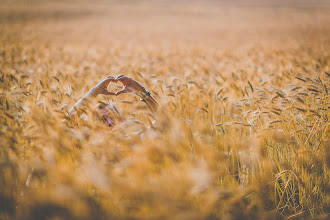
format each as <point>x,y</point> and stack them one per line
<point>245,86</point>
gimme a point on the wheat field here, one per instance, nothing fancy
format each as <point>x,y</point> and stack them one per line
<point>245,86</point>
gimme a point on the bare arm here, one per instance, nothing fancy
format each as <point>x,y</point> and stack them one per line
<point>100,88</point>
<point>131,85</point>
<point>151,103</point>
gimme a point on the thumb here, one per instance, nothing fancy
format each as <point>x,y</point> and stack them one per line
<point>124,90</point>
<point>106,92</point>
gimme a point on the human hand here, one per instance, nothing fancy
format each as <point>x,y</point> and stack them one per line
<point>101,87</point>
<point>130,85</point>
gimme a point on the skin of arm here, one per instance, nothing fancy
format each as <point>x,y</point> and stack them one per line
<point>131,85</point>
<point>100,88</point>
<point>151,103</point>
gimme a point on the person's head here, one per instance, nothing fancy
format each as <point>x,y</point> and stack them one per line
<point>108,113</point>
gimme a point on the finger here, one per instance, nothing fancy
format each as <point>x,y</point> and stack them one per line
<point>121,91</point>
<point>129,82</point>
<point>124,90</point>
<point>123,79</point>
<point>106,92</point>
<point>120,76</point>
<point>111,79</point>
<point>107,81</point>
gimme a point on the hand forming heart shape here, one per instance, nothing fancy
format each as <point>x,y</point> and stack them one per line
<point>129,85</point>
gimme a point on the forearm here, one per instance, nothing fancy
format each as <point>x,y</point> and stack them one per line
<point>155,109</point>
<point>83,101</point>
<point>151,103</point>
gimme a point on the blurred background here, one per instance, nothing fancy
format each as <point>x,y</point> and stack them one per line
<point>221,22</point>
<point>245,83</point>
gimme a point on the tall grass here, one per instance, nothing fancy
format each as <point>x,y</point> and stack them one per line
<point>248,135</point>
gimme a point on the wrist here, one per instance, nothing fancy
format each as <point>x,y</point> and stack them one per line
<point>145,95</point>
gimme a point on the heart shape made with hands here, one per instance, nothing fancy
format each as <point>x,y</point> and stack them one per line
<point>129,85</point>
<point>114,87</point>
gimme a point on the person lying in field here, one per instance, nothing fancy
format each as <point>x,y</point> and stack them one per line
<point>109,113</point>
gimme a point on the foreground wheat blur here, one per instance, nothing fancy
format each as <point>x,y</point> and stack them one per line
<point>248,100</point>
